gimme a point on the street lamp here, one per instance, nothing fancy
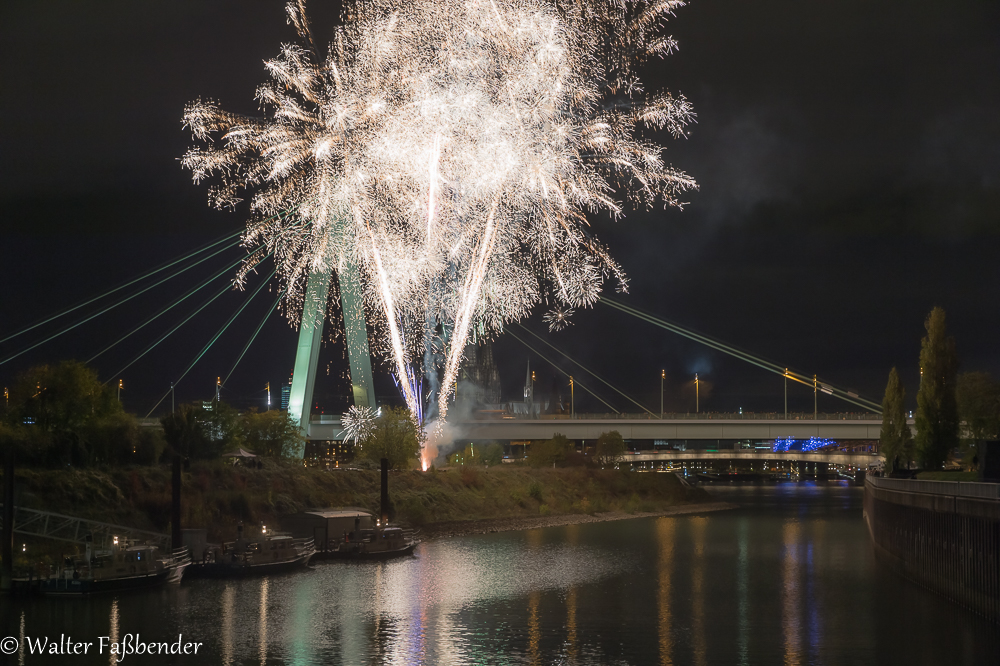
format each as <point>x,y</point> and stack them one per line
<point>697,407</point>
<point>532,406</point>
<point>121,385</point>
<point>572,399</point>
<point>663,375</point>
<point>815,403</point>
<point>268,396</point>
<point>172,408</point>
<point>786,394</point>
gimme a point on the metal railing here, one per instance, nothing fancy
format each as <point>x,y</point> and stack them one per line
<point>972,489</point>
<point>47,525</point>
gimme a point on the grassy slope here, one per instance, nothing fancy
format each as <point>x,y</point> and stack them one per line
<point>216,496</point>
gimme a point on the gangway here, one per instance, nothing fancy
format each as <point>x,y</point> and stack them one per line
<point>60,527</point>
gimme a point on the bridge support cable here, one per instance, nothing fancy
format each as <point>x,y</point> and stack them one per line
<point>585,369</point>
<point>228,239</point>
<point>163,311</point>
<point>166,335</point>
<point>114,305</point>
<point>254,336</point>
<point>553,364</point>
<point>213,340</point>
<point>825,387</point>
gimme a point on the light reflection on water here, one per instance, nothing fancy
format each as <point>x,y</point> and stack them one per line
<point>787,579</point>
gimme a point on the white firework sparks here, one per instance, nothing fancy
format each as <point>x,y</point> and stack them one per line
<point>451,149</point>
<point>558,318</point>
<point>358,423</point>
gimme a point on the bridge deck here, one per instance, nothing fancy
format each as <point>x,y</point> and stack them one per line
<point>646,429</point>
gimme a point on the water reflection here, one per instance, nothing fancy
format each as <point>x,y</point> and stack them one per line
<point>262,630</point>
<point>20,653</point>
<point>789,580</point>
<point>572,652</point>
<point>228,596</point>
<point>698,525</point>
<point>743,592</point>
<point>790,594</point>
<point>534,635</point>
<point>113,630</point>
<point>665,549</point>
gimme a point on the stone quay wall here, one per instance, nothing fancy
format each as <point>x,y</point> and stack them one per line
<point>943,535</point>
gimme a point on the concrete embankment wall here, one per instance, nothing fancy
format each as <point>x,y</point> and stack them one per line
<point>940,534</point>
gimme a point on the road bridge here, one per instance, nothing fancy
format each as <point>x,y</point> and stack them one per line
<point>687,428</point>
<point>841,458</point>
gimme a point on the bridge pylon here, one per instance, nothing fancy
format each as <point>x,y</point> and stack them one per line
<point>311,336</point>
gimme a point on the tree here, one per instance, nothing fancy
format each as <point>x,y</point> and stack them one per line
<point>487,454</point>
<point>895,440</point>
<point>393,436</point>
<point>273,433</point>
<point>610,449</point>
<point>223,427</point>
<point>184,431</point>
<point>66,404</point>
<point>937,410</point>
<point>112,439</point>
<point>492,454</point>
<point>549,452</point>
<point>978,397</point>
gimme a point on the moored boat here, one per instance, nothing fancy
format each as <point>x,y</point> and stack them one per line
<point>264,553</point>
<point>128,565</point>
<point>380,543</point>
<point>351,533</point>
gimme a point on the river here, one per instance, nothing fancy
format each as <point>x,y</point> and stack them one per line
<point>788,578</point>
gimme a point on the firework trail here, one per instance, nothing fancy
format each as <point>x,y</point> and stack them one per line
<point>451,149</point>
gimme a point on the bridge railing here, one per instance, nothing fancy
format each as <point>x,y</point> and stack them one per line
<point>951,488</point>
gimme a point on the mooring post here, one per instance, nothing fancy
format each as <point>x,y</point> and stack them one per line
<point>175,503</point>
<point>7,574</point>
<point>385,491</point>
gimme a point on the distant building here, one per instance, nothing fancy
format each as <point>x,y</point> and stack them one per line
<point>479,382</point>
<point>286,392</point>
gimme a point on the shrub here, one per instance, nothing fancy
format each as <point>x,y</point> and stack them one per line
<point>550,453</point>
<point>470,477</point>
<point>535,491</point>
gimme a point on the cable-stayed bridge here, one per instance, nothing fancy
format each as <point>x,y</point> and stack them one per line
<point>647,425</point>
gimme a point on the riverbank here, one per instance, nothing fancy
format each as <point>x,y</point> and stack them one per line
<point>217,496</point>
<point>491,525</point>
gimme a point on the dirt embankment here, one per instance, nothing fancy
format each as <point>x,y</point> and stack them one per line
<point>453,501</point>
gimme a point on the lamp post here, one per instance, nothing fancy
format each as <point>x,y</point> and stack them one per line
<point>268,396</point>
<point>815,403</point>
<point>121,385</point>
<point>786,394</point>
<point>663,375</point>
<point>572,399</point>
<point>532,406</point>
<point>697,407</point>
<point>172,408</point>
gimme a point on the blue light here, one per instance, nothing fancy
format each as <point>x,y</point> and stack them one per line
<point>784,444</point>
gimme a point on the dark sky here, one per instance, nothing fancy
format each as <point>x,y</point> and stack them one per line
<point>848,155</point>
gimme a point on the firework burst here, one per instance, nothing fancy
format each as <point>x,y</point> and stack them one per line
<point>358,423</point>
<point>451,149</point>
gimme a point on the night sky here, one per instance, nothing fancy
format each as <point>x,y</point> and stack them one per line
<point>848,156</point>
